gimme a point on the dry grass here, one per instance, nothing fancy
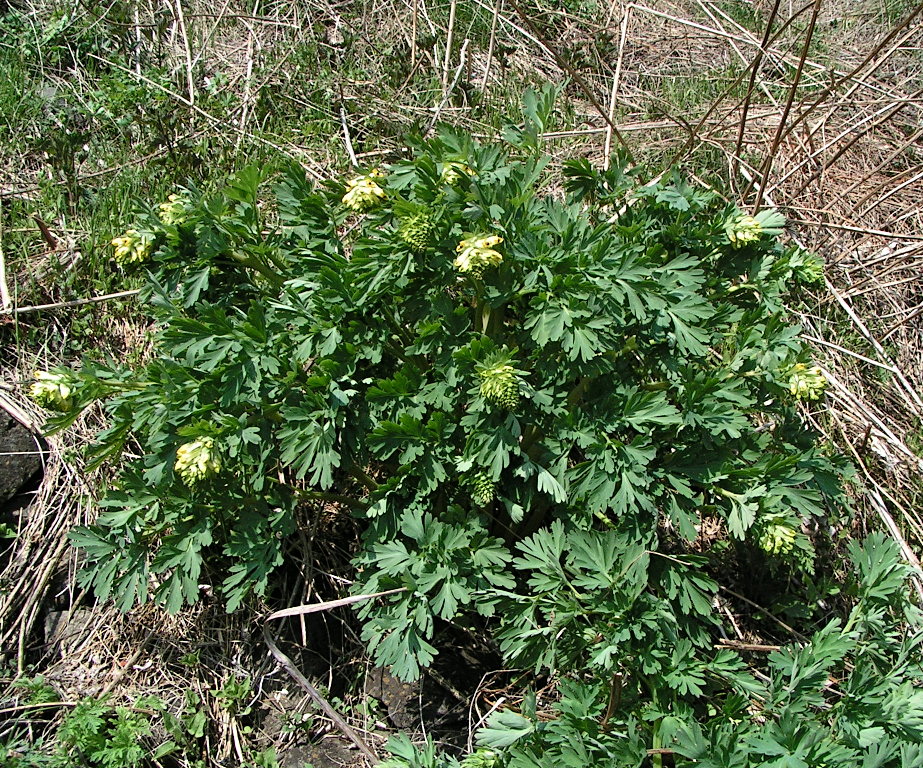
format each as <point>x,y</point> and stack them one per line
<point>827,129</point>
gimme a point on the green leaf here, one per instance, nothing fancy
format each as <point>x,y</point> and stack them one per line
<point>503,729</point>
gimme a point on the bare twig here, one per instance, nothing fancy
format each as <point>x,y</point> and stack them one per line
<point>450,39</point>
<point>498,6</point>
<point>74,303</point>
<point>770,156</point>
<point>187,49</point>
<point>289,666</point>
<point>346,137</point>
<point>610,125</point>
<point>754,70</point>
<point>301,610</point>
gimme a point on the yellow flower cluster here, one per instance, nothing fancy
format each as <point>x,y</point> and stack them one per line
<point>477,253</point>
<point>197,460</point>
<point>743,229</point>
<point>51,390</point>
<point>806,383</point>
<point>133,247</point>
<point>452,171</point>
<point>363,192</point>
<point>173,212</point>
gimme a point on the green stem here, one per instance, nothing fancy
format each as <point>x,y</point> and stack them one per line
<point>360,475</point>
<point>258,266</point>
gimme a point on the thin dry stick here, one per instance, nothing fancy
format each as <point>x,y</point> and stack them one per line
<point>908,143</point>
<point>219,17</point>
<point>211,118</point>
<point>910,395</point>
<point>623,36</point>
<point>897,326</point>
<point>754,69</point>
<point>498,5</point>
<point>870,121</point>
<point>289,666</point>
<point>74,303</point>
<point>848,228</point>
<point>771,615</point>
<point>881,508</point>
<point>838,348</point>
<point>301,610</point>
<point>248,82</point>
<point>5,301</point>
<point>821,97</point>
<point>462,60</point>
<point>450,38</point>
<point>774,147</point>
<point>346,137</point>
<point>917,175</point>
<point>190,82</point>
<point>136,53</point>
<point>413,35</point>
<point>688,145</point>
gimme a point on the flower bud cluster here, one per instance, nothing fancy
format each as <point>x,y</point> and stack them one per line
<point>363,192</point>
<point>52,390</point>
<point>133,247</point>
<point>477,253</point>
<point>500,385</point>
<point>482,489</point>
<point>482,758</point>
<point>777,539</point>
<point>416,231</point>
<point>807,267</point>
<point>806,383</point>
<point>197,460</point>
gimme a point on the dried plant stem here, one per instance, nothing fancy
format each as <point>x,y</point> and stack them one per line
<point>5,301</point>
<point>187,49</point>
<point>64,304</point>
<point>770,157</point>
<point>754,70</point>
<point>610,126</point>
<point>575,76</point>
<point>450,39</point>
<point>413,34</point>
<point>498,6</point>
<point>289,666</point>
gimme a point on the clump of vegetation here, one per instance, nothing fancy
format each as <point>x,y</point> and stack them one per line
<point>531,404</point>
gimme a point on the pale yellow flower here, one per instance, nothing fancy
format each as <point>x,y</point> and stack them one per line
<point>500,385</point>
<point>174,210</point>
<point>777,539</point>
<point>363,192</point>
<point>743,229</point>
<point>133,247</point>
<point>476,253</point>
<point>51,390</point>
<point>452,171</point>
<point>806,383</point>
<point>197,460</point>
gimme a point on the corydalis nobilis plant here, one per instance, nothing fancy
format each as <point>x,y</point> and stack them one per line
<point>466,364</point>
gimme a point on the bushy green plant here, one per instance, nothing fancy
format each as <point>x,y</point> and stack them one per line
<point>529,397</point>
<point>847,696</point>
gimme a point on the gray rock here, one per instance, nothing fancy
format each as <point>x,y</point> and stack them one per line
<point>19,458</point>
